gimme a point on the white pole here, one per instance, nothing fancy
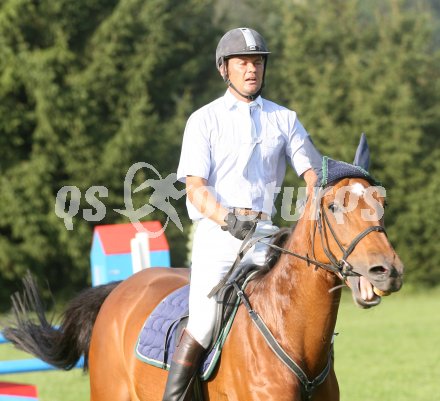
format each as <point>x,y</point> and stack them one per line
<point>144,246</point>
<point>136,257</point>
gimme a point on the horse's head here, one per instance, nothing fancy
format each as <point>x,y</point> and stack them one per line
<point>348,233</point>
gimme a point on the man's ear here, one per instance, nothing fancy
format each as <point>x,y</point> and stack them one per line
<point>223,70</point>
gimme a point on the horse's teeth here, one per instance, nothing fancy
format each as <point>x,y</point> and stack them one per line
<point>381,293</point>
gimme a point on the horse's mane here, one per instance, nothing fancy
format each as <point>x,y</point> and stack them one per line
<point>272,256</point>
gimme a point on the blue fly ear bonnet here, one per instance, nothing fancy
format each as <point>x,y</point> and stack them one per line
<point>329,170</point>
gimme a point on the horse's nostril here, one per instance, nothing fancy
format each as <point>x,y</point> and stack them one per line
<point>378,270</point>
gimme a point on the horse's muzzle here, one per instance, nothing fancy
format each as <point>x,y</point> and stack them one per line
<point>386,278</point>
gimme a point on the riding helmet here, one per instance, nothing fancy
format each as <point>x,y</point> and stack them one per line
<point>240,41</point>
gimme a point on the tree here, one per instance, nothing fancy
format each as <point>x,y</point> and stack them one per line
<point>373,71</point>
<point>87,89</point>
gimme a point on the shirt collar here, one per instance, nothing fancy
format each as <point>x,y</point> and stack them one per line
<point>231,101</point>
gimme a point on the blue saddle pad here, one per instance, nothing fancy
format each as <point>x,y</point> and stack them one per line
<point>162,325</point>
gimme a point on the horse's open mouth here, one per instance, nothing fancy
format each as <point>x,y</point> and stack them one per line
<point>353,282</point>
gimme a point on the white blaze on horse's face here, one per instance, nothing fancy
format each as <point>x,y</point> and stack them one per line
<point>358,189</point>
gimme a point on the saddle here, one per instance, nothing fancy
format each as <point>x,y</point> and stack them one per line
<point>158,337</point>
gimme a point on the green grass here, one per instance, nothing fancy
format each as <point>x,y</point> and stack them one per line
<point>388,353</point>
<point>53,385</point>
<point>391,352</point>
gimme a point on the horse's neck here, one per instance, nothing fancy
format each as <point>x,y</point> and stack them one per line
<point>295,301</point>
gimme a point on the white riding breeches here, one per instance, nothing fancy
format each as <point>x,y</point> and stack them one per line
<point>213,253</point>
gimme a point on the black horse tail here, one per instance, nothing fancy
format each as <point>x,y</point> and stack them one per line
<point>61,347</point>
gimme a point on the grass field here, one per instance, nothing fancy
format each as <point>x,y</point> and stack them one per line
<point>392,352</point>
<point>388,353</point>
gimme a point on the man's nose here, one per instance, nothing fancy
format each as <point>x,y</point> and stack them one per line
<point>251,66</point>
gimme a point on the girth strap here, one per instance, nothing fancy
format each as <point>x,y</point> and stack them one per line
<point>309,386</point>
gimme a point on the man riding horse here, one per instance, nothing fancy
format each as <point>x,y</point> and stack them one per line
<point>233,159</point>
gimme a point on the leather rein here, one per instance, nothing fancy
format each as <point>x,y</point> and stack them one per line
<point>340,267</point>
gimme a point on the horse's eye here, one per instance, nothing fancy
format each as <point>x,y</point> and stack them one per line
<point>332,207</point>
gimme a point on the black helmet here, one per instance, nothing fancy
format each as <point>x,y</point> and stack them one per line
<point>240,41</point>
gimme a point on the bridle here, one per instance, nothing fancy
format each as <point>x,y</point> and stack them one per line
<point>340,267</point>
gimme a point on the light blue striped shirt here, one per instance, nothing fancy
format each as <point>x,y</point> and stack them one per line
<point>243,160</point>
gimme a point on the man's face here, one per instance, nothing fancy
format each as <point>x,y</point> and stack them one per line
<point>246,73</point>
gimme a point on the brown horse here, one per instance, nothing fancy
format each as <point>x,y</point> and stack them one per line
<point>294,299</point>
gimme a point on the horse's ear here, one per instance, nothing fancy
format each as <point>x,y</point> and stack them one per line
<point>362,157</point>
<point>315,158</point>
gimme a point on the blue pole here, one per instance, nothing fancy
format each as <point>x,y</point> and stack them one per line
<point>29,365</point>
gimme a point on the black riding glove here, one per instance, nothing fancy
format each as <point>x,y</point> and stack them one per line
<point>239,228</point>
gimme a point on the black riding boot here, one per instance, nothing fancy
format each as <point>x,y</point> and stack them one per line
<point>186,360</point>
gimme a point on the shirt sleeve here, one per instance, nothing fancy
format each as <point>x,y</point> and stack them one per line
<point>195,158</point>
<point>295,150</point>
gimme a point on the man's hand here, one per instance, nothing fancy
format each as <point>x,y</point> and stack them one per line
<point>237,227</point>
